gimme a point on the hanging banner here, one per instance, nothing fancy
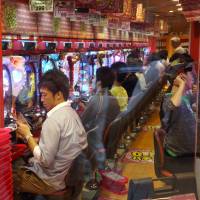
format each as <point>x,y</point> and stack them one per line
<point>127,8</point>
<point>80,18</point>
<point>103,22</point>
<point>64,8</point>
<point>126,26</point>
<point>41,5</point>
<point>113,23</point>
<point>127,13</point>
<point>140,12</point>
<point>192,15</point>
<point>94,19</point>
<point>112,6</point>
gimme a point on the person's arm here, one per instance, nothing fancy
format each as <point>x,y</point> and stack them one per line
<point>46,150</point>
<point>24,132</point>
<point>180,82</point>
<point>90,110</point>
<point>49,141</point>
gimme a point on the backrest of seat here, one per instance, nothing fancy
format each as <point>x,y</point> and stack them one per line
<point>112,136</point>
<point>76,172</point>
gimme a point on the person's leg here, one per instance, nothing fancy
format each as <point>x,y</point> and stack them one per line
<point>26,181</point>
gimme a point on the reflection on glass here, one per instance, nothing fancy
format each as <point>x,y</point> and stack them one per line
<point>7,91</point>
<point>47,65</point>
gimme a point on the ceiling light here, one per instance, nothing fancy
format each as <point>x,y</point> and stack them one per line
<point>157,15</point>
<point>179,4</point>
<point>175,0</point>
<point>180,9</point>
<point>171,11</point>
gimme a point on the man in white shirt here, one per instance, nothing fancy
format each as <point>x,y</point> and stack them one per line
<point>62,139</point>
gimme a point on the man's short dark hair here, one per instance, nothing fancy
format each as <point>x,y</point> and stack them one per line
<point>55,81</point>
<point>153,57</point>
<point>134,58</point>
<point>118,67</point>
<point>163,54</point>
<point>106,76</point>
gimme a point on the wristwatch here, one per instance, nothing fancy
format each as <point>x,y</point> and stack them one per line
<point>28,137</point>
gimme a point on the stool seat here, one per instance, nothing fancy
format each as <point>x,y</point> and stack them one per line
<point>60,192</point>
<point>64,194</point>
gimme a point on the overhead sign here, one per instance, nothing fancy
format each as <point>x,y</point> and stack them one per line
<point>113,23</point>
<point>41,5</point>
<point>111,6</point>
<point>192,15</point>
<point>103,21</point>
<point>126,26</point>
<point>64,8</point>
<point>79,18</point>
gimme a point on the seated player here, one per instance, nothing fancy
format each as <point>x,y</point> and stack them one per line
<point>152,75</point>
<point>100,111</point>
<point>163,54</point>
<point>131,79</point>
<point>117,90</point>
<point>62,140</point>
<point>178,118</point>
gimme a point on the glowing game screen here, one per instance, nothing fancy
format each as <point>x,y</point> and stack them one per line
<point>16,67</point>
<point>84,76</point>
<point>22,78</point>
<point>119,56</point>
<point>30,80</point>
<point>47,64</point>
<point>63,64</point>
<point>7,91</point>
<point>110,58</point>
<point>6,82</point>
<point>77,68</point>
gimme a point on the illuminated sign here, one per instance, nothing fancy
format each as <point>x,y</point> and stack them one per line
<point>41,5</point>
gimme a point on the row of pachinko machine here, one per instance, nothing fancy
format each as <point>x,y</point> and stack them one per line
<point>21,75</point>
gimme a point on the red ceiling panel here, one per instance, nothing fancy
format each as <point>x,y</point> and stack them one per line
<point>112,6</point>
<point>190,4</point>
<point>191,9</point>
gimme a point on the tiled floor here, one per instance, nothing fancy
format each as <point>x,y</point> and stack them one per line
<point>144,140</point>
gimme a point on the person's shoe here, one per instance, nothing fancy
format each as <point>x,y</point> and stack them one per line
<point>92,185</point>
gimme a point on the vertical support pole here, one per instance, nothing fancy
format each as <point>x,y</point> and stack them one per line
<point>152,44</point>
<point>195,43</point>
<point>1,73</point>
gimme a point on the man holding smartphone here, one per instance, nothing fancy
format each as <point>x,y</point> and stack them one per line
<point>62,139</point>
<point>178,118</point>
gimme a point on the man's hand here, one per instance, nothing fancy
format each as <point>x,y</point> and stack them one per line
<point>180,83</point>
<point>180,80</point>
<point>23,130</point>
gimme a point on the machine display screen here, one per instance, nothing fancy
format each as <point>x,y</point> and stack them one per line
<point>48,62</point>
<point>7,91</point>
<point>16,67</point>
<point>19,75</point>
